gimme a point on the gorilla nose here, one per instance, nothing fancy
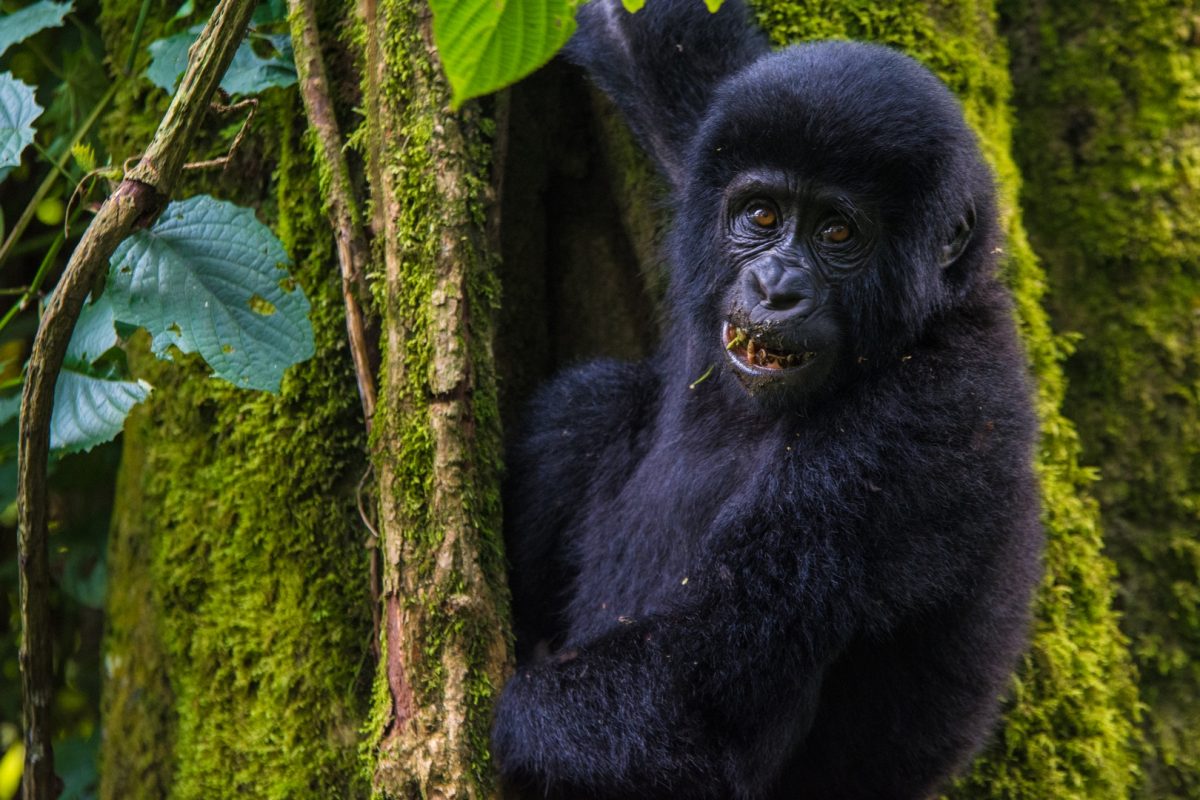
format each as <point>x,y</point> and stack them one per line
<point>776,295</point>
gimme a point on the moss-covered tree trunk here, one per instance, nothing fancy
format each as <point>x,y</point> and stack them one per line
<point>241,640</point>
<point>239,624</point>
<point>1108,137</point>
<point>437,433</point>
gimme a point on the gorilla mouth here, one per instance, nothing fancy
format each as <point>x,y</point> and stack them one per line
<point>750,352</point>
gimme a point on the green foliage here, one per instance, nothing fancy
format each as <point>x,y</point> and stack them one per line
<point>1069,728</point>
<point>20,25</point>
<point>248,73</point>
<point>485,45</point>
<point>1108,136</point>
<point>95,332</point>
<point>208,278</point>
<point>18,110</point>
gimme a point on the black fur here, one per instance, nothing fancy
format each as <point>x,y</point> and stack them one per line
<point>813,592</point>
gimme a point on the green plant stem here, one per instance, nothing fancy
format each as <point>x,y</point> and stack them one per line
<point>31,292</point>
<point>48,184</point>
<point>36,244</point>
<point>59,167</point>
<point>143,12</point>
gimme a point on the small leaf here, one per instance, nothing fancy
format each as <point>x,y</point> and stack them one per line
<point>84,156</point>
<point>248,73</point>
<point>185,10</point>
<point>11,767</point>
<point>20,25</point>
<point>75,760</point>
<point>18,110</point>
<point>269,12</point>
<point>84,575</point>
<point>713,5</point>
<point>191,281</point>
<point>633,6</point>
<point>90,411</point>
<point>485,45</point>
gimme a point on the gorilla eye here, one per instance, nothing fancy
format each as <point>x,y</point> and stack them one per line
<point>762,215</point>
<point>836,232</point>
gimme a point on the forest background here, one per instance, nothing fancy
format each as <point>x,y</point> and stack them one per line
<point>285,578</point>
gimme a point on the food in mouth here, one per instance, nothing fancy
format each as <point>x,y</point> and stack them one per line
<point>744,348</point>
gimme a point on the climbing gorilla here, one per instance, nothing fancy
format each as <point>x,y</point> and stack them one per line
<point>790,555</point>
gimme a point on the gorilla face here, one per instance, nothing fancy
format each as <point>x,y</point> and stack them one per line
<point>790,246</point>
<point>827,218</point>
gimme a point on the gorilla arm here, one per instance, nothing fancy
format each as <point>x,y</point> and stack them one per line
<point>706,701</point>
<point>577,435</point>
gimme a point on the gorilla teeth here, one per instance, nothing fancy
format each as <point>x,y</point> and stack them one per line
<point>739,341</point>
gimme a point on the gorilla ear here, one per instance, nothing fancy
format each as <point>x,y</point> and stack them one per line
<point>962,236</point>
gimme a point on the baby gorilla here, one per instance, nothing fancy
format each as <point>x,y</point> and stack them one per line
<point>807,575</point>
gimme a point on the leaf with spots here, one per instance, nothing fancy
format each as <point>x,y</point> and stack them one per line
<point>209,278</point>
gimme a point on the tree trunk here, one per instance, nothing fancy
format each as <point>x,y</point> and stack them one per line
<point>1108,135</point>
<point>445,634</point>
<point>240,643</point>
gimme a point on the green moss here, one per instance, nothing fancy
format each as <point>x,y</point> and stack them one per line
<point>137,754</point>
<point>1108,135</point>
<point>1069,726</point>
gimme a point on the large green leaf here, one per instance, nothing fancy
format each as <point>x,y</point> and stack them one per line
<point>248,73</point>
<point>22,24</point>
<point>209,278</point>
<point>90,404</point>
<point>18,110</point>
<point>487,44</point>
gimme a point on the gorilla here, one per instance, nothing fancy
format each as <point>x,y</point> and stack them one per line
<point>791,555</point>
